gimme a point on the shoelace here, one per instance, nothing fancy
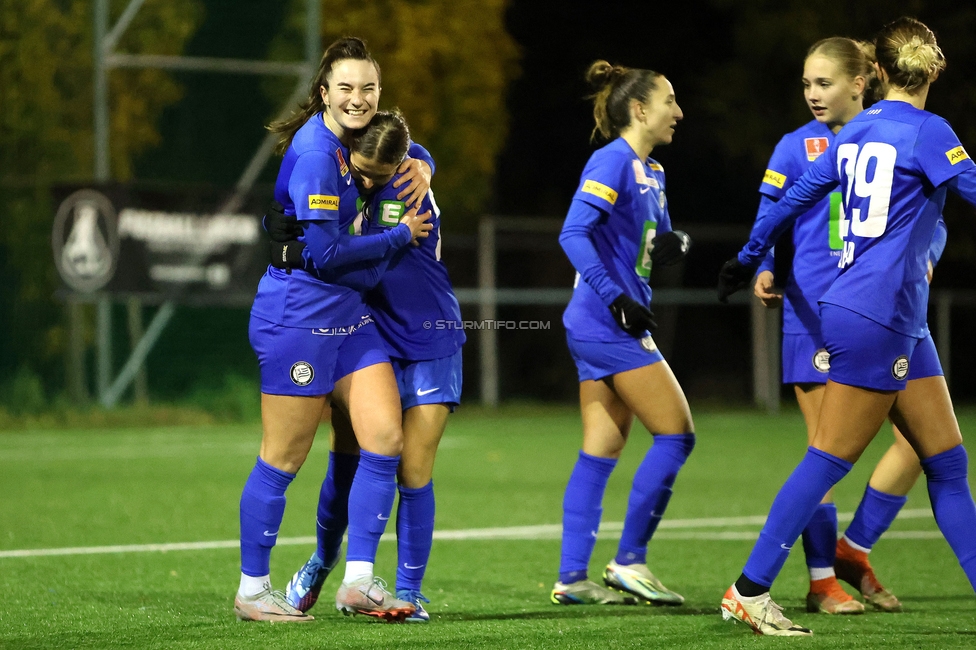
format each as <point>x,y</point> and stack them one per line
<point>412,596</point>
<point>278,598</point>
<point>773,614</point>
<point>378,583</point>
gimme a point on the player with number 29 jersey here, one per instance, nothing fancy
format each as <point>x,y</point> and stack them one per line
<point>892,163</point>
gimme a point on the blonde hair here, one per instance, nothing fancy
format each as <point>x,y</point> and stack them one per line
<point>614,86</point>
<point>909,54</point>
<point>855,59</point>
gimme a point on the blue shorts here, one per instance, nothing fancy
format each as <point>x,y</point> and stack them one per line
<point>866,354</point>
<point>306,363</point>
<point>805,359</point>
<point>596,360</point>
<point>435,381</point>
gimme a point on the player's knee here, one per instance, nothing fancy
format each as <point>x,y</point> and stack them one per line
<point>414,476</point>
<point>287,458</point>
<point>385,440</point>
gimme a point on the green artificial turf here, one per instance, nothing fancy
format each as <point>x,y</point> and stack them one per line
<point>76,488</point>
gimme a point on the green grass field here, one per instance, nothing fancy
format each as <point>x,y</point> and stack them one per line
<point>79,488</point>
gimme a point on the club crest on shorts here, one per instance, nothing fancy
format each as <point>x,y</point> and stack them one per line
<point>821,360</point>
<point>899,369</point>
<point>302,373</point>
<point>648,343</point>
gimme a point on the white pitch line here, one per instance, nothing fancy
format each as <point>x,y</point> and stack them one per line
<point>608,530</point>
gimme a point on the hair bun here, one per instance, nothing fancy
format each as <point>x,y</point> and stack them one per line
<point>918,56</point>
<point>909,53</point>
<point>602,74</point>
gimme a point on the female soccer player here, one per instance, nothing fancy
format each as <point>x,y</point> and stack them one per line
<point>617,227</point>
<point>838,73</point>
<point>893,164</point>
<point>305,328</point>
<point>418,318</point>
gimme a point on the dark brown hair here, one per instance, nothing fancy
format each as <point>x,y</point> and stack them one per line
<point>386,139</point>
<point>855,59</point>
<point>614,86</point>
<point>908,53</point>
<point>348,47</point>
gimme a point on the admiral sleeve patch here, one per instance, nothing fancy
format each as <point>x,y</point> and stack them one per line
<point>774,178</point>
<point>600,190</point>
<point>956,155</point>
<point>323,202</point>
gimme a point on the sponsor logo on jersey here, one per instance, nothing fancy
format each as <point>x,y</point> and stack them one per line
<point>821,360</point>
<point>815,147</point>
<point>600,190</point>
<point>639,174</point>
<point>343,167</point>
<point>662,199</point>
<point>899,369</point>
<point>390,212</point>
<point>644,181</point>
<point>656,167</point>
<point>774,178</point>
<point>302,373</point>
<point>956,155</point>
<point>323,202</point>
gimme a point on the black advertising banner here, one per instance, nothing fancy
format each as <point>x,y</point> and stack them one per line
<point>159,244</point>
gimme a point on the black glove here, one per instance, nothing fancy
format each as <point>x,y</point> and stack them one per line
<point>633,317</point>
<point>287,255</point>
<point>280,227</point>
<point>733,277</point>
<point>670,247</point>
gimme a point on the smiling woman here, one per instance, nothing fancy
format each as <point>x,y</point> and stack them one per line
<point>315,339</point>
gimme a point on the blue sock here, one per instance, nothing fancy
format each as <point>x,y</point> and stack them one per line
<point>415,534</point>
<point>820,537</point>
<point>791,511</point>
<point>582,509</point>
<point>952,504</point>
<point>650,494</point>
<point>370,504</point>
<point>333,511</point>
<point>262,506</point>
<point>873,517</point>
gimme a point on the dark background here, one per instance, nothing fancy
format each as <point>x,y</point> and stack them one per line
<point>736,71</point>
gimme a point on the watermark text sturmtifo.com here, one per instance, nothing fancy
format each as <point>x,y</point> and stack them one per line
<point>487,325</point>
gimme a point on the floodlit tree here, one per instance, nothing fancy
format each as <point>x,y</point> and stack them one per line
<point>446,65</point>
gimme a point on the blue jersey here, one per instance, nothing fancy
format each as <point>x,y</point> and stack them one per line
<point>314,184</point>
<point>628,194</point>
<point>892,162</point>
<point>413,303</point>
<point>817,240</point>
